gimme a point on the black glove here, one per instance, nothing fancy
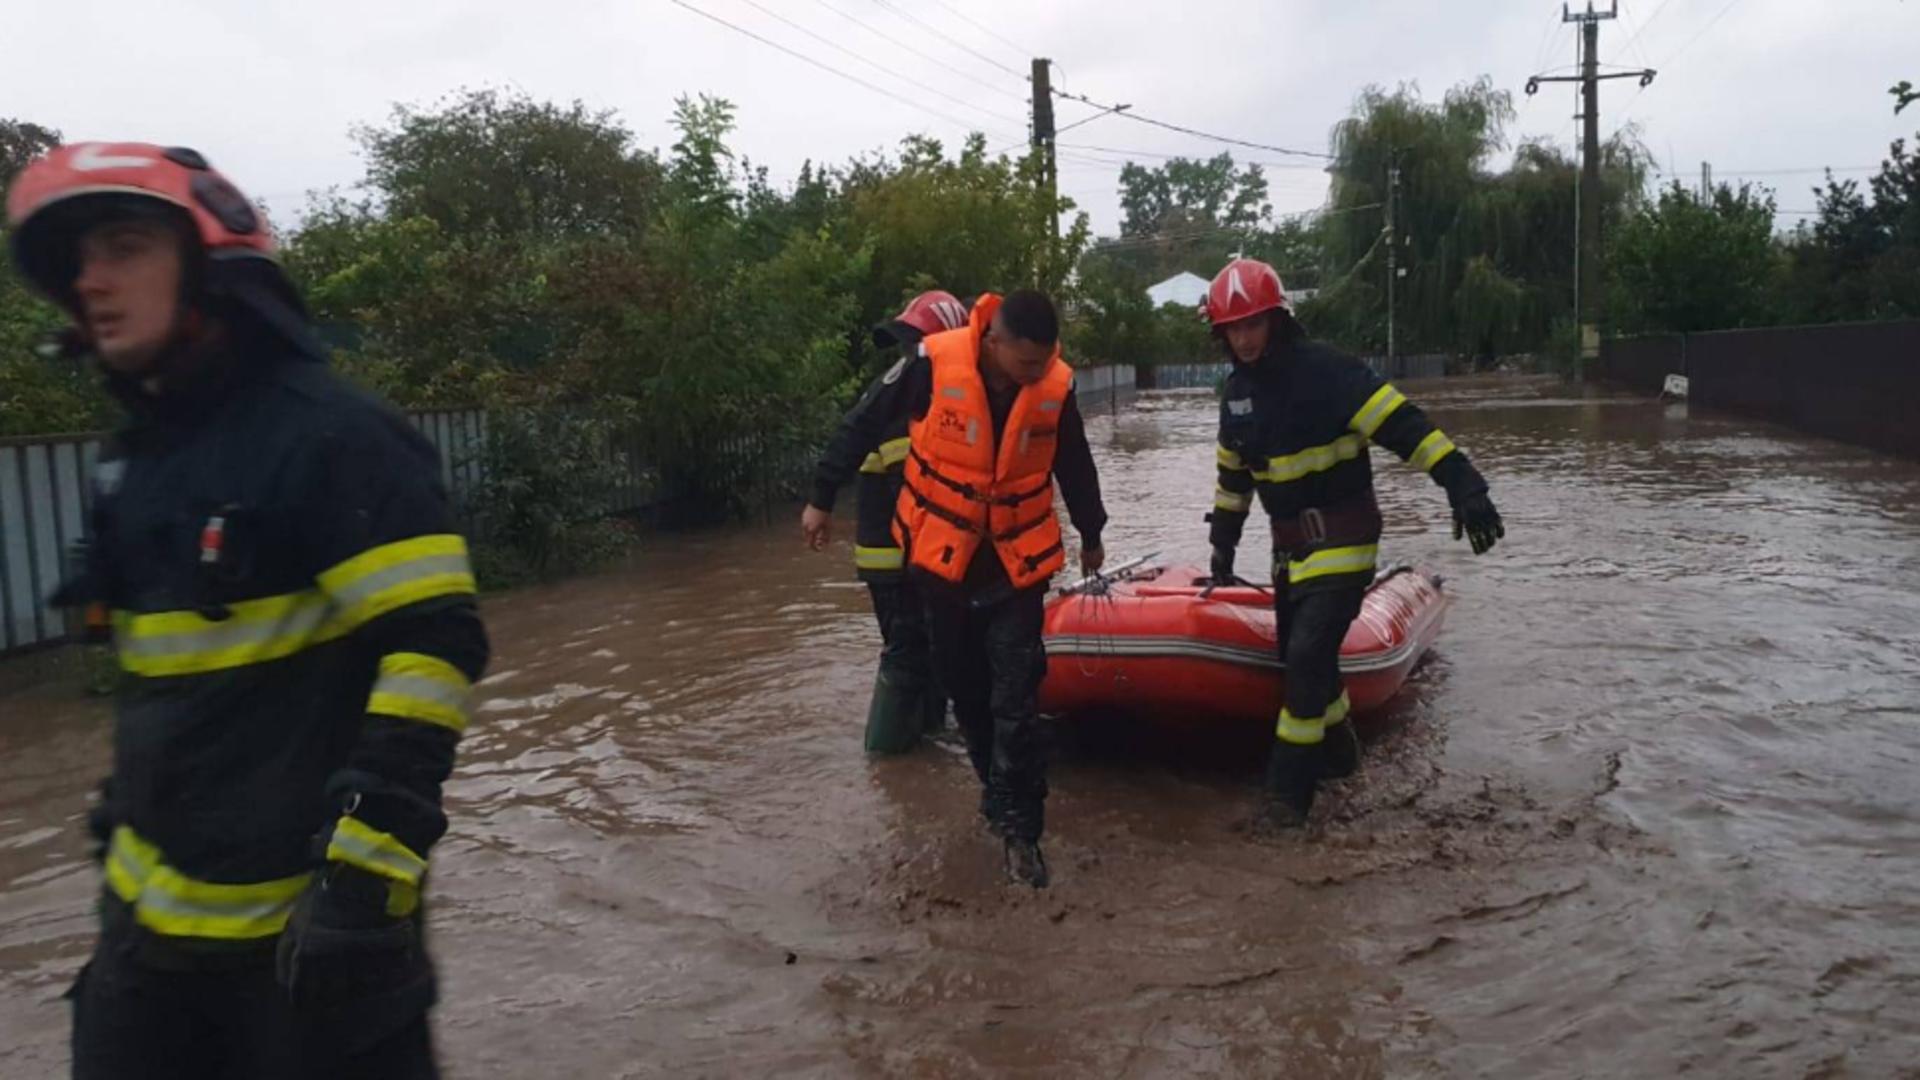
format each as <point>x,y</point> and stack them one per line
<point>100,821</point>
<point>1475,517</point>
<point>1221,568</point>
<point>340,945</point>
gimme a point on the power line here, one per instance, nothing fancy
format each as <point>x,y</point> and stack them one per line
<point>1647,23</point>
<point>1546,41</point>
<point>1671,57</point>
<point>1134,116</point>
<point>824,40</point>
<point>1091,119</point>
<point>828,68</point>
<point>940,64</point>
<point>1711,23</point>
<point>1634,38</point>
<point>969,20</point>
<point>1125,152</point>
<point>963,46</point>
<point>1799,171</point>
<point>1217,230</point>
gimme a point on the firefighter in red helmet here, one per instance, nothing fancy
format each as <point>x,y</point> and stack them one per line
<point>1295,423</point>
<point>993,430</point>
<point>294,615</point>
<point>907,701</point>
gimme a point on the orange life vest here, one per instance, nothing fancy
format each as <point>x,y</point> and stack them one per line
<point>962,488</point>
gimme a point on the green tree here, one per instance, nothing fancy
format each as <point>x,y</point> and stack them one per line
<point>37,394</point>
<point>20,142</point>
<point>488,163</point>
<point>1188,214</point>
<point>1686,263</point>
<point>1860,257</point>
<point>1486,256</point>
<point>967,224</point>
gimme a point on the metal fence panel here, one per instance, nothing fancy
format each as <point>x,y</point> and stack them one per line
<point>46,487</point>
<point>19,593</point>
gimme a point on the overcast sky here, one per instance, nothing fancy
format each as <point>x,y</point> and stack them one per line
<point>270,88</point>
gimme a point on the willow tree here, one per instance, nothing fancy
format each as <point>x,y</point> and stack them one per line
<point>1486,255</point>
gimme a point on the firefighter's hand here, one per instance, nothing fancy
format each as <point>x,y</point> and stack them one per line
<point>1476,519</point>
<point>817,526</point>
<point>341,943</point>
<point>1220,569</point>
<point>1093,558</point>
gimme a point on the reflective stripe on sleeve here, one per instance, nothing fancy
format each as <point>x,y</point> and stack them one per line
<point>415,686</point>
<point>392,576</point>
<point>1235,502</point>
<point>878,558</point>
<point>1384,402</point>
<point>1431,449</point>
<point>357,843</point>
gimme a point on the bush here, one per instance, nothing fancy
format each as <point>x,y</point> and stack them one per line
<point>540,508</point>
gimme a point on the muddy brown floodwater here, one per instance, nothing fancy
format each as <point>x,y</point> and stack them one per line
<point>1652,808</point>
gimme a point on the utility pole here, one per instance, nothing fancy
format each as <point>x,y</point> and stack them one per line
<point>1706,182</point>
<point>1588,252</point>
<point>1043,137</point>
<point>1393,255</point>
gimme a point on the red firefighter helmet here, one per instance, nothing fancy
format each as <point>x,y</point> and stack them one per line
<point>1246,287</point>
<point>60,195</point>
<point>931,312</point>
<point>934,311</point>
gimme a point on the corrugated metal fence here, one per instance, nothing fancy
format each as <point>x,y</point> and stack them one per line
<point>1184,376</point>
<point>46,483</point>
<point>1193,376</point>
<point>44,486</point>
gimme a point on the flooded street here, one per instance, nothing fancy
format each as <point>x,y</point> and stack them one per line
<point>1653,806</point>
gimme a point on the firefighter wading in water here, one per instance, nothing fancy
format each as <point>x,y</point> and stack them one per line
<point>1295,423</point>
<point>907,700</point>
<point>992,422</point>
<point>295,617</point>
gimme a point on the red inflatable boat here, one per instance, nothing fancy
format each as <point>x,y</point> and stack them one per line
<point>1155,641</point>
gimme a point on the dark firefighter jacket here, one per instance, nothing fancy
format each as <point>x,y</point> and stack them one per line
<point>1295,429</point>
<point>294,614</point>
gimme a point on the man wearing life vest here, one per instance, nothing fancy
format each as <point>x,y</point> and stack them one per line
<point>992,424</point>
<point>907,700</point>
<point>1295,424</point>
<point>294,615</point>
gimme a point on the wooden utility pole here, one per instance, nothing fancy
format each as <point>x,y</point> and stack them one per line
<point>1588,252</point>
<point>1393,255</point>
<point>1043,138</point>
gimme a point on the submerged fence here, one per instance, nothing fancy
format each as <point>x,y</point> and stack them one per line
<point>46,488</point>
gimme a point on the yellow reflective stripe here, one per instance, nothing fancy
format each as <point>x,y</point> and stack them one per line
<point>1381,405</point>
<point>878,558</point>
<point>392,576</point>
<point>169,902</point>
<point>891,453</point>
<point>357,843</point>
<point>415,686</point>
<point>1359,559</point>
<point>1229,459</point>
<point>255,631</point>
<point>1313,459</point>
<point>1301,731</point>
<point>1431,450</point>
<point>1338,712</point>
<point>1236,502</point>
<point>130,862</point>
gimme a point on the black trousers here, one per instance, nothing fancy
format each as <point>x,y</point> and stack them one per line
<point>990,660</point>
<point>905,649</point>
<point>1311,626</point>
<point>230,1021</point>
